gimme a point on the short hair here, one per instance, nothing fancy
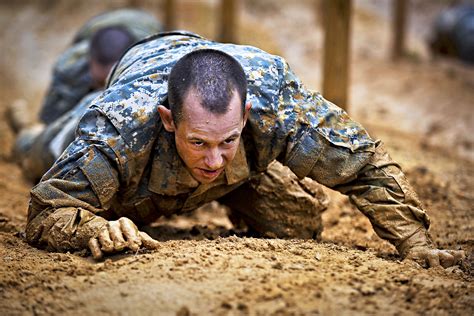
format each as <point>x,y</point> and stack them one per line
<point>108,44</point>
<point>213,74</point>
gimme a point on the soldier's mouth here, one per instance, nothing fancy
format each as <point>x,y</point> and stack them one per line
<point>210,173</point>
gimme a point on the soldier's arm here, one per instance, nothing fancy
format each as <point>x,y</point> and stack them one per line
<point>380,190</point>
<point>329,147</point>
<point>70,83</point>
<point>67,207</point>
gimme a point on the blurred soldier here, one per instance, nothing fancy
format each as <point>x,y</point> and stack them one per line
<point>185,121</point>
<point>79,73</point>
<point>453,33</point>
<point>84,66</point>
<point>38,146</point>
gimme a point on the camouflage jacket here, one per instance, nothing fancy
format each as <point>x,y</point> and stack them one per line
<point>123,163</point>
<point>71,79</point>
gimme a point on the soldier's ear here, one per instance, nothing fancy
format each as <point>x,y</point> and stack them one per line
<point>248,106</point>
<point>166,118</point>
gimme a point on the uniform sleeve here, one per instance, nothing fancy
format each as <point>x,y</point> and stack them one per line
<point>325,144</point>
<point>66,207</point>
<point>380,191</point>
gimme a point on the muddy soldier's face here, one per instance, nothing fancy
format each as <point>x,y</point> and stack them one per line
<point>206,141</point>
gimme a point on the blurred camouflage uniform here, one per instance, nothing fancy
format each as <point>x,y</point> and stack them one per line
<point>124,163</point>
<point>71,78</point>
<point>38,147</point>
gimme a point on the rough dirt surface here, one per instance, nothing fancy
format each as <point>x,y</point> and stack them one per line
<point>422,109</point>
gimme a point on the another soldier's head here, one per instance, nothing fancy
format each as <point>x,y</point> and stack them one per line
<point>106,47</point>
<point>207,92</point>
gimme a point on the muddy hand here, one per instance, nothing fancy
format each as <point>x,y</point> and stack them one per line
<point>430,257</point>
<point>119,236</point>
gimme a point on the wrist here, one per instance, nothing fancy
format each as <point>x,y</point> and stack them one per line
<point>88,227</point>
<point>420,238</point>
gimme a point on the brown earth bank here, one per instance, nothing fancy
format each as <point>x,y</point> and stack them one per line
<point>421,108</point>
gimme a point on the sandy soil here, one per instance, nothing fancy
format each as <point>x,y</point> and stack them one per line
<point>420,107</point>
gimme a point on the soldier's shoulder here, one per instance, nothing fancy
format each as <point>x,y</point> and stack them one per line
<point>340,129</point>
<point>251,57</point>
<point>133,113</point>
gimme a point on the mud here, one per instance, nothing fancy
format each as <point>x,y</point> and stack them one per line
<point>421,108</point>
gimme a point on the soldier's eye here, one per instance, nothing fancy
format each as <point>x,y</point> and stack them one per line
<point>198,143</point>
<point>229,140</point>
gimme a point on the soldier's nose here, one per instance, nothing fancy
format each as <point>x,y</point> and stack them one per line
<point>214,160</point>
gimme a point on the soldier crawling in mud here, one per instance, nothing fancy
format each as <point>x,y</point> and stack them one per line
<point>79,76</point>
<point>185,121</point>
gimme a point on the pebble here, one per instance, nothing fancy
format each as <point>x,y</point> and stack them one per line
<point>277,266</point>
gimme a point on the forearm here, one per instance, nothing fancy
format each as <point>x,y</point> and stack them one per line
<point>61,214</point>
<point>383,194</point>
<point>63,229</point>
<point>64,206</point>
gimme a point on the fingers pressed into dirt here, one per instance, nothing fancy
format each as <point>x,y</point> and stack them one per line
<point>429,257</point>
<point>116,235</point>
<point>458,255</point>
<point>104,240</point>
<point>432,258</point>
<point>417,257</point>
<point>94,246</point>
<point>119,235</point>
<point>130,231</point>
<point>149,242</point>
<point>446,259</point>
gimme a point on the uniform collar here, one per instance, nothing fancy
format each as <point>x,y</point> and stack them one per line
<point>169,176</point>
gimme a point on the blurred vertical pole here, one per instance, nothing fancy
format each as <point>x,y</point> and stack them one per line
<point>337,22</point>
<point>170,15</point>
<point>228,25</point>
<point>398,27</point>
<point>319,12</point>
<point>134,3</point>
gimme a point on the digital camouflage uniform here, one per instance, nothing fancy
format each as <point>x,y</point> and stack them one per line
<point>124,163</point>
<point>71,78</point>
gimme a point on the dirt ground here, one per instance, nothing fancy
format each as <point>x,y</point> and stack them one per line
<point>422,108</point>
